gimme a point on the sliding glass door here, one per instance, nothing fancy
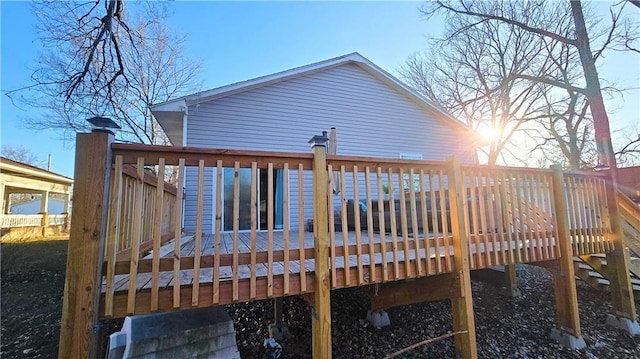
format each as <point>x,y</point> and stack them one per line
<point>262,195</point>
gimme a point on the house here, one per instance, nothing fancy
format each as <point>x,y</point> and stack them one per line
<point>629,182</point>
<point>24,183</point>
<point>374,113</point>
<point>32,206</point>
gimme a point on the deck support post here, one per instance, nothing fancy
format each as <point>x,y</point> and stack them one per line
<point>321,310</point>
<point>564,282</point>
<point>511,281</point>
<point>278,329</point>
<point>462,306</point>
<point>80,309</point>
<point>624,309</point>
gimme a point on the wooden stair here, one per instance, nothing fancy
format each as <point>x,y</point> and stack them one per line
<point>593,268</point>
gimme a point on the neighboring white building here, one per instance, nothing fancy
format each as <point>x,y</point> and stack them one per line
<point>55,206</point>
<point>375,115</point>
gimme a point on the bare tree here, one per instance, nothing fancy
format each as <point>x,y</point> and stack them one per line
<point>628,153</point>
<point>23,155</point>
<point>567,126</point>
<point>469,73</point>
<point>103,61</point>
<point>579,39</point>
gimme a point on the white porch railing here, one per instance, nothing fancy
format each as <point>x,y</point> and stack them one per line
<point>20,220</point>
<point>57,219</point>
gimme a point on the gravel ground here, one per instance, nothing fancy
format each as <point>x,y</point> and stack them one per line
<point>506,327</point>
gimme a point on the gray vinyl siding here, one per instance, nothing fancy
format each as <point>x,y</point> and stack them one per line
<point>371,119</point>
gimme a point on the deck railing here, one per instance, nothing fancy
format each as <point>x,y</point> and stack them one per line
<point>390,219</point>
<point>250,268</point>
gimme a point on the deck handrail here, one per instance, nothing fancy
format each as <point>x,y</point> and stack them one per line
<point>506,208</point>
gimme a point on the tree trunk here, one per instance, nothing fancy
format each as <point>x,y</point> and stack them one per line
<point>593,91</point>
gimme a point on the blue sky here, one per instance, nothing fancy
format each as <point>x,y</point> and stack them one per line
<point>242,40</point>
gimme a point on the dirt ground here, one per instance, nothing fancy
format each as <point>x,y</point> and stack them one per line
<point>32,282</point>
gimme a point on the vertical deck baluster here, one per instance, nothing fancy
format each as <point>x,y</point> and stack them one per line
<point>573,224</point>
<point>216,247</point>
<point>444,221</point>
<point>593,210</point>
<point>548,208</point>
<point>475,261</point>
<point>414,222</point>
<point>522,216</point>
<point>528,217</point>
<point>434,222</point>
<point>157,235</point>
<point>582,208</point>
<point>332,225</point>
<point>404,224</point>
<point>285,224</point>
<point>236,229</point>
<point>498,254</point>
<point>553,202</point>
<point>381,224</point>
<point>505,217</point>
<point>301,244</point>
<point>539,216</point>
<point>345,226</point>
<point>606,218</point>
<point>514,217</point>
<point>589,211</point>
<point>475,224</point>
<point>177,230</point>
<point>356,219</point>
<point>598,216</point>
<point>505,248</point>
<point>113,234</point>
<point>254,228</point>
<point>198,239</point>
<point>544,215</point>
<point>393,226</point>
<point>484,203</point>
<point>425,225</point>
<point>372,255</point>
<point>269,230</point>
<point>137,230</point>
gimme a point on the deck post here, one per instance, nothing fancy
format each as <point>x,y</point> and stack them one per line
<point>80,309</point>
<point>511,281</point>
<point>462,306</point>
<point>624,309</point>
<point>321,310</point>
<point>564,282</point>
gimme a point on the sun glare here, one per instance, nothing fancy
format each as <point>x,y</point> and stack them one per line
<point>489,133</point>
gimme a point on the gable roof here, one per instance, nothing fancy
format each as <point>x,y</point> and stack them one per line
<point>20,169</point>
<point>171,114</point>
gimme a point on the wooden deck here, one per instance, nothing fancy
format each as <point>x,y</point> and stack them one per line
<point>430,222</point>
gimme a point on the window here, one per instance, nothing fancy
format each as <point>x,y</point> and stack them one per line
<point>416,176</point>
